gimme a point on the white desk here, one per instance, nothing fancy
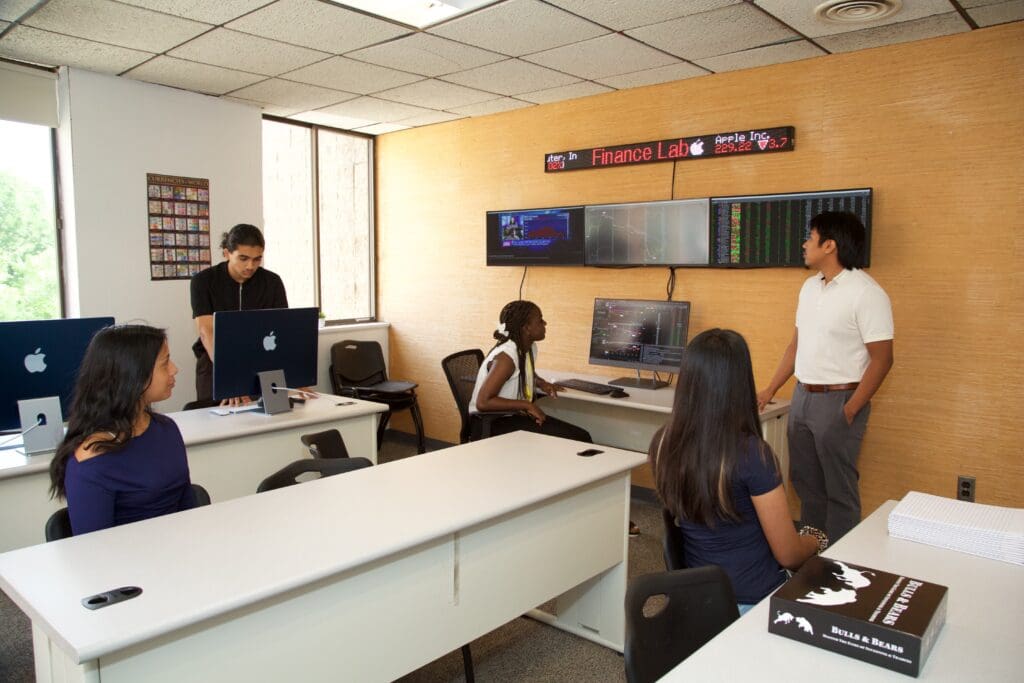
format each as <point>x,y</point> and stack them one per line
<point>630,422</point>
<point>363,576</point>
<point>982,639</point>
<point>228,455</point>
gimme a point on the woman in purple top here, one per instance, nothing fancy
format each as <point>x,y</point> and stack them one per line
<point>718,477</point>
<point>120,462</point>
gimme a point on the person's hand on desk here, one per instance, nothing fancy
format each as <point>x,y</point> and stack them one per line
<point>549,388</point>
<point>236,401</point>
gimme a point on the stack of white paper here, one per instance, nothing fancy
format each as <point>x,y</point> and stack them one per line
<point>985,530</point>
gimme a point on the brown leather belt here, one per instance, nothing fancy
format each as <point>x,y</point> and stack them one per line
<point>824,388</point>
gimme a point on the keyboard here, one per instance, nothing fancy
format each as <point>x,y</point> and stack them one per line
<point>585,385</point>
<point>225,410</point>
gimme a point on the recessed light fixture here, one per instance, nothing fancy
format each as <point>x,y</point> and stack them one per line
<point>418,13</point>
<point>856,11</point>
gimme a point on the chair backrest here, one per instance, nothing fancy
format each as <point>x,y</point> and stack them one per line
<point>461,368</point>
<point>288,475</point>
<point>672,542</point>
<point>696,604</point>
<point>196,405</point>
<point>326,444</point>
<point>202,495</point>
<point>357,364</point>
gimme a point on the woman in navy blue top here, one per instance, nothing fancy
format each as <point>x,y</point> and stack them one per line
<point>120,462</point>
<point>718,477</point>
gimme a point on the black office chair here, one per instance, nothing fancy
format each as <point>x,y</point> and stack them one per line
<point>460,369</point>
<point>695,606</point>
<point>358,371</point>
<point>326,444</point>
<point>671,542</point>
<point>289,474</point>
<point>196,405</point>
<point>58,526</point>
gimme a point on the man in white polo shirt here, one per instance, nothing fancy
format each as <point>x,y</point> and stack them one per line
<point>840,352</point>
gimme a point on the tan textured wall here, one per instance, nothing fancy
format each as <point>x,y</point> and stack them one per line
<point>932,126</point>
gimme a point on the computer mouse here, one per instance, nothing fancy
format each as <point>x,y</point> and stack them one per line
<point>619,393</point>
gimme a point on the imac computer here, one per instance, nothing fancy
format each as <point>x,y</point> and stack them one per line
<point>39,362</point>
<point>248,343</point>
<point>643,335</point>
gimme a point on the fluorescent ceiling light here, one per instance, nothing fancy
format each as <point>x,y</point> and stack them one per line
<point>418,13</point>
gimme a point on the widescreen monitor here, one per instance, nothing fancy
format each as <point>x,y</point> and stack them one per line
<point>669,233</point>
<point>248,342</point>
<point>535,237</point>
<point>39,359</point>
<point>638,334</point>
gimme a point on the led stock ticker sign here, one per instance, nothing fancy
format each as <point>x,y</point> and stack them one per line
<point>699,147</point>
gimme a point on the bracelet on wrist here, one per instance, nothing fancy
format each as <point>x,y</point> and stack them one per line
<point>818,534</point>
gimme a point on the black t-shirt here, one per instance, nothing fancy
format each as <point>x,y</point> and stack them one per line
<point>214,290</point>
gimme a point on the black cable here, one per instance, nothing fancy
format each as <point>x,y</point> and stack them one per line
<point>670,286</point>
<point>672,188</point>
<point>522,281</point>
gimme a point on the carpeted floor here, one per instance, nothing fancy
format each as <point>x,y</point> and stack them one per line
<point>521,650</point>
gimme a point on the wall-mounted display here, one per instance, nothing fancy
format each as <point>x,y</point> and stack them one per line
<point>669,233</point>
<point>535,237</point>
<point>179,226</point>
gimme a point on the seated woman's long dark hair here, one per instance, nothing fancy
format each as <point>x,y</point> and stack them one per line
<point>715,407</point>
<point>114,374</point>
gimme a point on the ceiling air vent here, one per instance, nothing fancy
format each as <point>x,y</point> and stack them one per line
<point>856,11</point>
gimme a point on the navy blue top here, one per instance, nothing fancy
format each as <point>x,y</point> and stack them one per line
<point>740,548</point>
<point>147,478</point>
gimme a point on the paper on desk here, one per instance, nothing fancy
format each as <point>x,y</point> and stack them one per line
<point>985,530</point>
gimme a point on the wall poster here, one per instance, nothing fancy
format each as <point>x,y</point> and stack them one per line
<point>179,226</point>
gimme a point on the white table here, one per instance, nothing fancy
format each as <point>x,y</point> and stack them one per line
<point>363,576</point>
<point>228,455</point>
<point>630,422</point>
<point>982,640</point>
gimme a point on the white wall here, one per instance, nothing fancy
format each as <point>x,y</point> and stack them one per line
<point>113,131</point>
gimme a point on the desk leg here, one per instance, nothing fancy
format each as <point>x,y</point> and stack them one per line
<point>53,666</point>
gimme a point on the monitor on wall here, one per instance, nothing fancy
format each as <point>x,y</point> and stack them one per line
<point>668,233</point>
<point>535,237</point>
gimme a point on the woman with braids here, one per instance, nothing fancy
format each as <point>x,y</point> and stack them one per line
<point>120,462</point>
<point>716,475</point>
<point>507,381</point>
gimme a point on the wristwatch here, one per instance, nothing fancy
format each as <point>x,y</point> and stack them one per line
<point>807,530</point>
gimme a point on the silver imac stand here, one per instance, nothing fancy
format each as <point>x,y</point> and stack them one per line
<point>638,382</point>
<point>275,400</point>
<point>42,424</point>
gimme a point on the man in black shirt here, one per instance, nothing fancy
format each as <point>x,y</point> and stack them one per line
<point>237,284</point>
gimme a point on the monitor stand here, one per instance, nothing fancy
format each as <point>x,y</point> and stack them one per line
<point>638,382</point>
<point>274,400</point>
<point>42,424</point>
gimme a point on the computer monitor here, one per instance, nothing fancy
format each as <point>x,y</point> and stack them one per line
<point>246,343</point>
<point>535,237</point>
<point>667,233</point>
<point>643,335</point>
<point>40,359</point>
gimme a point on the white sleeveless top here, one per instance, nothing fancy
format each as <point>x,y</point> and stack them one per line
<point>510,389</point>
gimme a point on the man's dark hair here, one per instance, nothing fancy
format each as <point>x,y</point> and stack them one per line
<point>242,234</point>
<point>846,230</point>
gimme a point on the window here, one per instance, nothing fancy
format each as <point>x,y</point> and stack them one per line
<point>318,217</point>
<point>29,264</point>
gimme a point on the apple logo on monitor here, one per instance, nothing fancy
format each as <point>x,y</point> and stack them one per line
<point>35,362</point>
<point>270,342</point>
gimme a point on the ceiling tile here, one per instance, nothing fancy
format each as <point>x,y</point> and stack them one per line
<point>761,56</point>
<point>606,55</point>
<point>346,74</point>
<point>1001,13</point>
<point>233,50</point>
<point>318,25</point>
<point>265,108</point>
<point>511,77</point>
<point>427,55</point>
<point>431,118</point>
<point>322,118</point>
<point>295,96</point>
<point>381,128</point>
<point>717,32</point>
<point>115,24</point>
<point>11,10</point>
<point>375,111</point>
<point>201,10</point>
<point>565,92</point>
<point>203,78</point>
<point>518,27</point>
<point>800,16</point>
<point>54,49</point>
<point>622,14</point>
<point>664,74</point>
<point>491,107</point>
<point>435,94</point>
<point>929,27</point>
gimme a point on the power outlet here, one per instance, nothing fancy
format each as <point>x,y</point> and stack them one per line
<point>965,488</point>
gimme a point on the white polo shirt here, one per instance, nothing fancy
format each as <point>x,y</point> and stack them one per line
<point>834,322</point>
